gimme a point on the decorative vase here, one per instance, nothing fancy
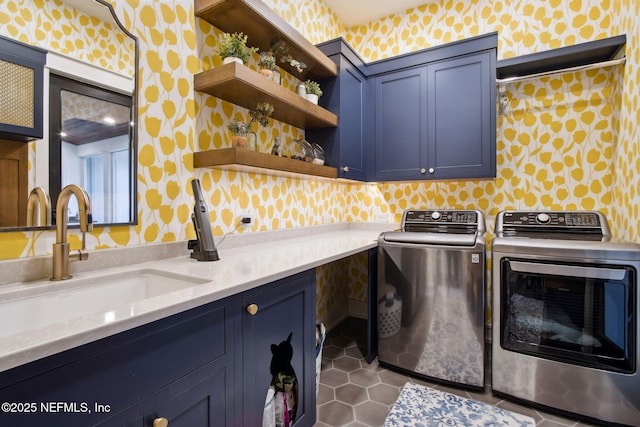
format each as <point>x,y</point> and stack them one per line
<point>277,77</point>
<point>240,141</point>
<point>230,59</point>
<point>247,141</point>
<point>312,98</point>
<point>266,72</point>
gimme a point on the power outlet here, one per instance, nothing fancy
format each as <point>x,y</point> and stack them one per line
<point>382,218</point>
<point>246,220</point>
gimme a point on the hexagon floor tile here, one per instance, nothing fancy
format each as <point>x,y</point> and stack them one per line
<point>353,393</point>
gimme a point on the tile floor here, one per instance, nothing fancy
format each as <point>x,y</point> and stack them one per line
<point>354,393</point>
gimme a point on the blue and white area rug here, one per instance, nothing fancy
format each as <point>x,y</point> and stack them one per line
<point>421,406</point>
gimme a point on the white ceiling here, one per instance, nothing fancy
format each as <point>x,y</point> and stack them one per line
<point>357,12</point>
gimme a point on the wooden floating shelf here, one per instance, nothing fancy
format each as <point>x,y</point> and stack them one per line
<point>243,160</point>
<point>243,86</point>
<point>261,24</point>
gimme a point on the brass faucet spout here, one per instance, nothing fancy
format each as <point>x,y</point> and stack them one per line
<point>38,208</point>
<point>61,256</point>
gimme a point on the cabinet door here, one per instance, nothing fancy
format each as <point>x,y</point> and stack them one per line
<point>461,110</point>
<point>351,126</point>
<point>400,124</point>
<point>200,404</point>
<point>284,321</point>
<point>21,92</point>
<point>201,399</point>
<point>14,181</point>
<point>345,96</point>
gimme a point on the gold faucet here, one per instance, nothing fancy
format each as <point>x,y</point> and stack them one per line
<point>38,208</point>
<point>61,256</point>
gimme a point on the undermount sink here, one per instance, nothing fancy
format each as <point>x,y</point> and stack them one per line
<point>46,304</point>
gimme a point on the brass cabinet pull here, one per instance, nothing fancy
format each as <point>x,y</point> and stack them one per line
<point>423,170</point>
<point>160,422</point>
<point>345,169</point>
<point>431,170</point>
<point>252,309</point>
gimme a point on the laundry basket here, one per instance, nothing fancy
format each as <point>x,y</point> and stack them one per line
<point>389,312</point>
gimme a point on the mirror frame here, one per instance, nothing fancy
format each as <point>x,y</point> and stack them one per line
<point>58,84</point>
<point>133,137</point>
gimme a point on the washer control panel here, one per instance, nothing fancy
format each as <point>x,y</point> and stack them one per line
<point>453,217</point>
<point>560,219</point>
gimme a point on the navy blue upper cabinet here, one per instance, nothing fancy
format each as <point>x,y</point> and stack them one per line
<point>346,96</point>
<point>434,112</point>
<point>400,124</point>
<point>461,117</point>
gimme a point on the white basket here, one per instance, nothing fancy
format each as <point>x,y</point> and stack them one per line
<point>389,314</point>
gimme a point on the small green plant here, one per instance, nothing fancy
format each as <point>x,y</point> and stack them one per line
<point>234,45</point>
<point>238,127</point>
<point>280,48</point>
<point>267,61</point>
<point>312,88</point>
<point>260,115</point>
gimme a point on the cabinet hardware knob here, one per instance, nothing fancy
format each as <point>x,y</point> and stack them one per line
<point>423,170</point>
<point>252,309</point>
<point>160,422</point>
<point>431,170</point>
<point>345,169</point>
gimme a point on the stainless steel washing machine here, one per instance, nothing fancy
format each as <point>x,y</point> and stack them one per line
<point>431,296</point>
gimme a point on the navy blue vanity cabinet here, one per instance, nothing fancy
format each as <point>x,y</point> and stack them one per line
<point>278,334</point>
<point>434,112</point>
<point>346,96</point>
<point>179,367</point>
<point>21,92</point>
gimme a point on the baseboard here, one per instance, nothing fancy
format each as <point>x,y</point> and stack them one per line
<point>355,308</point>
<point>358,309</point>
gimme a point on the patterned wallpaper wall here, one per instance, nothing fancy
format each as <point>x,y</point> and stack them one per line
<point>568,141</point>
<point>565,141</point>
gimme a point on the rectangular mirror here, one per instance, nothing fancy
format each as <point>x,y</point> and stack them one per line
<point>99,156</point>
<point>90,135</point>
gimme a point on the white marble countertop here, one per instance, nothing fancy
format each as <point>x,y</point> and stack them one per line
<point>245,263</point>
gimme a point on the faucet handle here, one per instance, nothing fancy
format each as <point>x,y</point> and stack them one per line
<point>89,224</point>
<point>79,256</point>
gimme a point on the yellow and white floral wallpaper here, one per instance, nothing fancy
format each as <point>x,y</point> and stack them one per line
<point>568,141</point>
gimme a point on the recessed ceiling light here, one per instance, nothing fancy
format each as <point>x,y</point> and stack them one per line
<point>109,120</point>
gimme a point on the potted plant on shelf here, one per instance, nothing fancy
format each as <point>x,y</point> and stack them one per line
<point>313,91</point>
<point>233,47</point>
<point>280,48</point>
<point>242,135</point>
<point>267,64</point>
<point>240,131</point>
